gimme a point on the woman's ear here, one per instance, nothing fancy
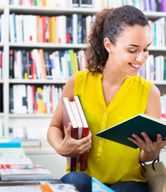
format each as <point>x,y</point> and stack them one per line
<point>108,45</point>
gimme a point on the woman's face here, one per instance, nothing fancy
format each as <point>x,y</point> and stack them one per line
<point>131,49</point>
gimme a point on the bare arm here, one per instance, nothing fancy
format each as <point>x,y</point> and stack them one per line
<point>150,150</point>
<point>66,146</point>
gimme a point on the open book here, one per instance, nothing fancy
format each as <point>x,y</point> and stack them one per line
<point>135,125</point>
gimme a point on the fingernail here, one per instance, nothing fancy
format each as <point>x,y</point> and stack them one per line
<point>143,134</point>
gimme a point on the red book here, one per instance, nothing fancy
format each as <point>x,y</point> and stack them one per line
<point>44,28</point>
<point>85,130</point>
<point>33,66</point>
<point>67,116</point>
<point>32,2</point>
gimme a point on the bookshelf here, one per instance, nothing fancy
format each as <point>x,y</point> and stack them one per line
<point>47,45</point>
<point>43,120</point>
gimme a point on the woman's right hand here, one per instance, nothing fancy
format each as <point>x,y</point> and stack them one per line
<point>71,147</point>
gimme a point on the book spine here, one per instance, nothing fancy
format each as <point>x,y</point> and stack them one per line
<point>11,64</point>
<point>159,5</point>
<point>163,6</point>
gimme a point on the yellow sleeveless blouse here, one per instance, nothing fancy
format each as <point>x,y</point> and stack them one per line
<point>108,161</point>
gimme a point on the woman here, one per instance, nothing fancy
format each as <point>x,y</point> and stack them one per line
<point>110,92</point>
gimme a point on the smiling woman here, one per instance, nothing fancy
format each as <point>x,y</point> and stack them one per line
<point>109,89</point>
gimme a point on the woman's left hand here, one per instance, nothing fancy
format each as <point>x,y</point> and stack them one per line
<point>149,150</point>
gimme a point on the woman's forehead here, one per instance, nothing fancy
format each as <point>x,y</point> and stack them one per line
<point>135,35</point>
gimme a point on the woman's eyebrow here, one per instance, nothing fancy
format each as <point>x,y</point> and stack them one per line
<point>137,45</point>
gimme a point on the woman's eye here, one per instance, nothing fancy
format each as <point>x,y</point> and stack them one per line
<point>146,50</point>
<point>132,51</point>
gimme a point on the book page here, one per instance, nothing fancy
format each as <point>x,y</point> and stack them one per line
<point>153,118</point>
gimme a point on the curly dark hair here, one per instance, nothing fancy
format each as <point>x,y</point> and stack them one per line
<point>110,23</point>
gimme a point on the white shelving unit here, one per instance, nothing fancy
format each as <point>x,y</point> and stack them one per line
<point>47,45</point>
<point>37,81</point>
<point>43,120</point>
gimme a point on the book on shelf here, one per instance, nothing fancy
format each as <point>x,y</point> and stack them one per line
<point>154,68</point>
<point>55,4</point>
<point>163,107</point>
<point>29,99</point>
<point>16,172</point>
<point>143,5</point>
<point>60,29</point>
<point>135,125</point>
<point>39,64</point>
<point>72,112</point>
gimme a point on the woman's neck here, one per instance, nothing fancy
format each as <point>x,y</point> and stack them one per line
<point>113,76</point>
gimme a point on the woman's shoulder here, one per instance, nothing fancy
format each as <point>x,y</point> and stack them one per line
<point>88,74</point>
<point>83,73</point>
<point>142,81</point>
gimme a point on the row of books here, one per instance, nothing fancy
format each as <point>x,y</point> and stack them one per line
<point>154,68</point>
<point>72,111</point>
<point>143,5</point>
<point>56,29</point>
<point>158,30</point>
<point>2,23</point>
<point>53,3</point>
<point>1,64</point>
<point>33,99</point>
<point>39,64</point>
<point>163,106</point>
<point>51,29</point>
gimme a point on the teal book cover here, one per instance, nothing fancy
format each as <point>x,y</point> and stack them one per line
<point>10,143</point>
<point>135,125</point>
<point>97,186</point>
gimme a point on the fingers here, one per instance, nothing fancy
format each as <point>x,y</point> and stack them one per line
<point>159,138</point>
<point>68,130</point>
<point>163,144</point>
<point>148,141</point>
<point>85,143</point>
